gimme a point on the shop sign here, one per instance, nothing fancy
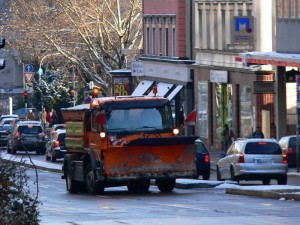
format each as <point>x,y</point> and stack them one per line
<point>218,76</point>
<point>137,68</point>
<point>263,87</point>
<point>121,86</point>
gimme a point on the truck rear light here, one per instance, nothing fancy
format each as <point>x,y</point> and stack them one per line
<point>206,159</point>
<point>289,151</point>
<point>284,159</point>
<point>241,158</point>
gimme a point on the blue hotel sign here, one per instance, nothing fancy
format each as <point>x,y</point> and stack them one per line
<point>243,29</point>
<point>242,34</point>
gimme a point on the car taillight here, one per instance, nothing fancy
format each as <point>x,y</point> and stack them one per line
<point>18,134</point>
<point>284,159</point>
<point>206,159</point>
<point>241,158</point>
<point>56,144</point>
<point>289,151</point>
<point>43,135</point>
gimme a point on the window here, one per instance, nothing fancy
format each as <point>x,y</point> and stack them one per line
<point>160,41</point>
<point>174,42</point>
<point>202,109</point>
<point>153,41</point>
<point>246,119</point>
<point>167,42</point>
<point>147,40</point>
<point>279,9</point>
<point>263,148</point>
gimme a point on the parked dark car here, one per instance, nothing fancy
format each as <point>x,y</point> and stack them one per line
<point>202,160</point>
<point>27,136</point>
<point>289,147</point>
<point>55,147</point>
<point>5,130</point>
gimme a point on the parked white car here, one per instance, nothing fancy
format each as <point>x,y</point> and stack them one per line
<point>254,159</point>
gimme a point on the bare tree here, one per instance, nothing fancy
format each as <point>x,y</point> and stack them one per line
<point>88,34</point>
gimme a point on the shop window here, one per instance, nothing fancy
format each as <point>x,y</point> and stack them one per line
<point>202,109</point>
<point>223,93</point>
<point>246,120</point>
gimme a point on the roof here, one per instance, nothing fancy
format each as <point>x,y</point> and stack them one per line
<point>271,58</point>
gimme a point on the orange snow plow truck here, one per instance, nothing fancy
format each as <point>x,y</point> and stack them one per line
<point>125,141</point>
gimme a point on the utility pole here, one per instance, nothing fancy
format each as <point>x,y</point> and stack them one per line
<point>74,79</point>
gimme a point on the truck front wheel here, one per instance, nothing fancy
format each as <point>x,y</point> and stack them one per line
<point>92,186</point>
<point>166,185</point>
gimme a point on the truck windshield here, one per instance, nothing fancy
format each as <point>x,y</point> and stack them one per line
<point>137,120</point>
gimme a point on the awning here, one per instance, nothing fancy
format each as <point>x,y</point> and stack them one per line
<point>271,58</point>
<point>174,92</point>
<point>191,118</point>
<point>142,87</point>
<point>162,89</point>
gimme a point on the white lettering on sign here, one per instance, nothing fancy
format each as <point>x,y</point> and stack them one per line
<point>218,76</point>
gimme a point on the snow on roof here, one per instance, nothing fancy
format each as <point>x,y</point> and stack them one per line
<point>82,106</point>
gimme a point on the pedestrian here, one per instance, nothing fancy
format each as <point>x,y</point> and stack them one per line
<point>60,118</point>
<point>258,133</point>
<point>228,137</point>
<point>30,115</point>
<point>43,117</point>
<point>54,118</point>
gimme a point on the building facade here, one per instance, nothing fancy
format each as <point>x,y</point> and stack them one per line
<point>227,90</point>
<point>167,54</point>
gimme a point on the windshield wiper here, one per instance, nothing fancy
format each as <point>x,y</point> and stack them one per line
<point>150,127</point>
<point>119,129</point>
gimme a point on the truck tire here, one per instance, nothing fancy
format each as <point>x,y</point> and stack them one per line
<point>72,186</point>
<point>92,186</point>
<point>138,186</point>
<point>166,184</point>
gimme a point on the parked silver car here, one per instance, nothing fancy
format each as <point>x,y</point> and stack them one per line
<point>254,159</point>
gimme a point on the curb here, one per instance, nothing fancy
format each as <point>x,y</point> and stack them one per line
<point>280,194</point>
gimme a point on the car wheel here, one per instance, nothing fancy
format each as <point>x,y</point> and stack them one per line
<point>8,149</point>
<point>166,185</point>
<point>52,158</point>
<point>92,186</point>
<point>232,174</point>
<point>266,181</point>
<point>206,174</point>
<point>47,157</point>
<point>282,180</point>
<point>14,151</point>
<point>219,175</point>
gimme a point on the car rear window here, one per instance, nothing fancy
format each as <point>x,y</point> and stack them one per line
<point>293,143</point>
<point>30,129</point>
<point>262,148</point>
<point>201,148</point>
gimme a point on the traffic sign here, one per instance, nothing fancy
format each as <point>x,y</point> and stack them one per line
<point>28,68</point>
<point>29,76</point>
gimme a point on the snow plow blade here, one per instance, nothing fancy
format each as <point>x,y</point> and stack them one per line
<point>152,158</point>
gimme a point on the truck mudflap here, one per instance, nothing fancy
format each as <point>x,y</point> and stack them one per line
<point>152,158</point>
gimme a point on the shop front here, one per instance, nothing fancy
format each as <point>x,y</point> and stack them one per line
<point>227,97</point>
